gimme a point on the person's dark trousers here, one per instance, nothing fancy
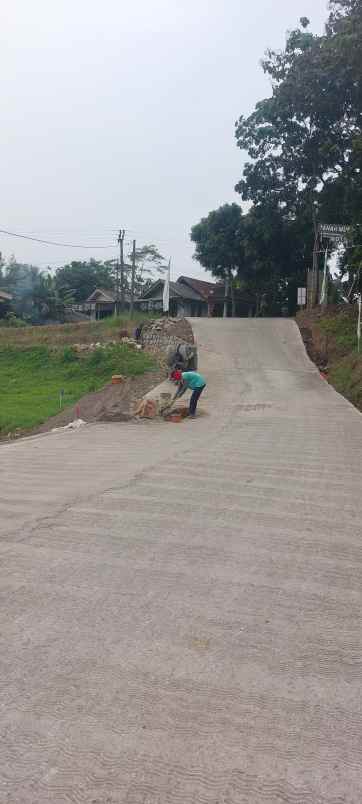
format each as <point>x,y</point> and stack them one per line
<point>194,400</point>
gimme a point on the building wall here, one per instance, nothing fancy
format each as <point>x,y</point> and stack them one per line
<point>179,308</point>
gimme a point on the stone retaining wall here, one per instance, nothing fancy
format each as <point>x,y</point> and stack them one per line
<point>163,334</point>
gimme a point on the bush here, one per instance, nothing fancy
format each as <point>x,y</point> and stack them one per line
<point>12,320</point>
<point>69,354</point>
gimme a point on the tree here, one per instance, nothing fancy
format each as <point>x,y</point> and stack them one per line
<point>81,278</point>
<point>20,279</point>
<point>305,141</point>
<point>49,299</point>
<point>149,264</point>
<point>302,138</point>
<point>36,295</point>
<point>219,246</point>
<point>275,257</point>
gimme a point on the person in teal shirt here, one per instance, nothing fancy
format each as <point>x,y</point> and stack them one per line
<point>196,382</point>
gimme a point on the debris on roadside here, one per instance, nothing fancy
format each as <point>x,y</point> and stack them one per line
<point>92,347</point>
<point>74,425</point>
<point>147,409</point>
<point>176,414</point>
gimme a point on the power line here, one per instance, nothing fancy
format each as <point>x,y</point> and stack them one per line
<point>51,242</point>
<point>110,230</point>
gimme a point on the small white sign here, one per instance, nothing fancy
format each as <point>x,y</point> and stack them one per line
<point>334,231</point>
<point>302,297</point>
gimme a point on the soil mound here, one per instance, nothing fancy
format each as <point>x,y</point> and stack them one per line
<point>113,403</point>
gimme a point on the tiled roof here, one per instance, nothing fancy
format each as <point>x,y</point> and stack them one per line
<point>108,295</point>
<point>177,290</point>
<point>5,296</point>
<point>199,285</point>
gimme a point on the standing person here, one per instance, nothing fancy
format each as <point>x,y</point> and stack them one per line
<point>196,382</point>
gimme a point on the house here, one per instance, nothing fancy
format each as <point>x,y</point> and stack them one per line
<point>5,301</point>
<point>244,302</point>
<point>101,303</point>
<point>206,290</point>
<point>5,296</point>
<point>184,300</point>
<point>194,297</point>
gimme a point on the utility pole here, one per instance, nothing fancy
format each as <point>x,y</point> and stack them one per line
<point>133,277</point>
<point>121,235</point>
<point>116,309</point>
<point>315,255</point>
<point>226,297</point>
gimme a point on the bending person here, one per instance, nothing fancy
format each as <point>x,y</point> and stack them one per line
<point>196,382</point>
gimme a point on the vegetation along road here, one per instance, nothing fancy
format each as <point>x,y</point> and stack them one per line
<point>181,604</point>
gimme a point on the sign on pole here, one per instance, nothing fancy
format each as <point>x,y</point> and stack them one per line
<point>333,231</point>
<point>302,297</point>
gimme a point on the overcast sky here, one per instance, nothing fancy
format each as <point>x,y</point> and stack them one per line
<point>121,114</point>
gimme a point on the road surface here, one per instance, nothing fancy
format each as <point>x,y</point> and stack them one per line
<point>181,603</point>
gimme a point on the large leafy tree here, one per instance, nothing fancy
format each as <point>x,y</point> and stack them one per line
<point>50,300</point>
<point>82,278</point>
<point>275,255</point>
<point>304,137</point>
<point>304,142</point>
<point>218,242</point>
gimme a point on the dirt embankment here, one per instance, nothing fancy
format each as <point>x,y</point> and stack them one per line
<point>117,403</point>
<point>330,337</point>
<point>113,403</point>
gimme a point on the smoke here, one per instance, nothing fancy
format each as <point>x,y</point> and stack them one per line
<point>21,280</point>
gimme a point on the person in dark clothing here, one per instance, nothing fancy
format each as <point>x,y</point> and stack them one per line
<point>138,332</point>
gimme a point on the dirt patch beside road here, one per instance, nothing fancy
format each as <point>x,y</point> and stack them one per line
<point>113,403</point>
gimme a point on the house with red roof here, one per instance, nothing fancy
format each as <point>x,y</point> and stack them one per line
<point>193,297</point>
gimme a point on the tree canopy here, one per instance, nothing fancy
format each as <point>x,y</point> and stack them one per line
<point>81,278</point>
<point>219,244</point>
<point>306,137</point>
<point>40,295</point>
<point>304,165</point>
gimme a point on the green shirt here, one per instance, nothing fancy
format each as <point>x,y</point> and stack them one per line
<point>193,380</point>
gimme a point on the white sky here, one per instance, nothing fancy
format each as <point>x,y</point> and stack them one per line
<point>121,114</point>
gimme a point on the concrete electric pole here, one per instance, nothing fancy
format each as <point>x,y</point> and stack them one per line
<point>133,277</point>
<point>121,306</point>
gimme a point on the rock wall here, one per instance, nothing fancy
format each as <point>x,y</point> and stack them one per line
<point>162,334</point>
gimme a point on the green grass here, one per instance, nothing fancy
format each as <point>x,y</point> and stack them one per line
<point>338,326</point>
<point>346,377</point>
<point>342,328</point>
<point>63,334</point>
<point>31,379</point>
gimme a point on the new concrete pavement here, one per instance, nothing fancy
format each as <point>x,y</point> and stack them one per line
<point>181,603</point>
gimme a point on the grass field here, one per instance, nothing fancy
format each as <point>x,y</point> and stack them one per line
<point>33,379</point>
<point>341,330</point>
<point>63,334</point>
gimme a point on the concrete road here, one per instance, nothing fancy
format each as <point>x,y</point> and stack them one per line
<point>181,603</point>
